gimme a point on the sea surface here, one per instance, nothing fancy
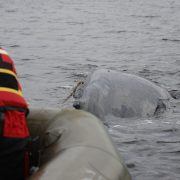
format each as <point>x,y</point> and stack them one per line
<point>54,43</point>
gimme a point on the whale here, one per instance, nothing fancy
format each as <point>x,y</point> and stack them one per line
<point>109,92</point>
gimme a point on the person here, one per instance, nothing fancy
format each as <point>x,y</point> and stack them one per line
<point>14,133</point>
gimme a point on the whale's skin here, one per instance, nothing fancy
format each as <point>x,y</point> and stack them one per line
<point>109,92</point>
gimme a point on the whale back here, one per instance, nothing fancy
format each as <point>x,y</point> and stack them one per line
<point>121,95</point>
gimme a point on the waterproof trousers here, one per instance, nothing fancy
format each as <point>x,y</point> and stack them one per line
<point>13,158</point>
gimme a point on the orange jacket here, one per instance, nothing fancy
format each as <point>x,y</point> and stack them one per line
<point>10,88</point>
<point>11,99</point>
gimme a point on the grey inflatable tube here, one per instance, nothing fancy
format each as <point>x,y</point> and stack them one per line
<point>74,146</point>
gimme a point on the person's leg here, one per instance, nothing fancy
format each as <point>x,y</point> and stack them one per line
<point>12,158</point>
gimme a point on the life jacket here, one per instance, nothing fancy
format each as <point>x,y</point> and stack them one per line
<point>12,102</point>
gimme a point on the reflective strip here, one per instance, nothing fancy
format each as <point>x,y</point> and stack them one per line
<point>11,91</point>
<point>8,72</point>
<point>3,52</point>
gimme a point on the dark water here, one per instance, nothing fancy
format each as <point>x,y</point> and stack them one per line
<point>57,42</point>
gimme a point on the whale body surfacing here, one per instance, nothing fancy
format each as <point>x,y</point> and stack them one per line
<point>109,92</point>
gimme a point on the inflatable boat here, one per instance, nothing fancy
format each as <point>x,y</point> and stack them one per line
<point>74,145</point>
